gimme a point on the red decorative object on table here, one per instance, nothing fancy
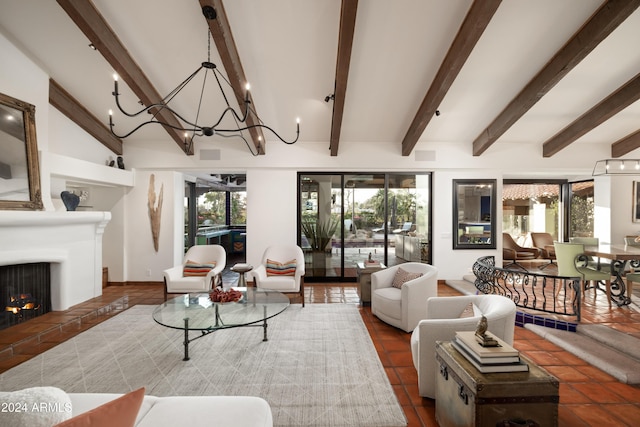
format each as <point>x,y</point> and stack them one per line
<point>230,295</point>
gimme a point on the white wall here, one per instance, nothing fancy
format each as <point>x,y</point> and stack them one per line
<point>141,261</point>
<point>271,210</point>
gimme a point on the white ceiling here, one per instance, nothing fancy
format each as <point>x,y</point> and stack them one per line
<point>288,50</point>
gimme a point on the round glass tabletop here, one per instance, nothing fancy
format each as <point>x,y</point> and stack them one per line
<point>198,312</point>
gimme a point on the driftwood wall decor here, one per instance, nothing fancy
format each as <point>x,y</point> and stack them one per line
<point>155,210</point>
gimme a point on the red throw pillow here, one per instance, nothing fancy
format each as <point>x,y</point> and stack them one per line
<point>121,412</point>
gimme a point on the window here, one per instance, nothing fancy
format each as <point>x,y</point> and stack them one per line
<point>581,205</point>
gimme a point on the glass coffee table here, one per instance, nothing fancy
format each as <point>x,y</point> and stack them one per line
<point>196,312</point>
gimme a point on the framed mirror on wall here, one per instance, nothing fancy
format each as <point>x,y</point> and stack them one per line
<point>19,167</point>
<point>474,219</point>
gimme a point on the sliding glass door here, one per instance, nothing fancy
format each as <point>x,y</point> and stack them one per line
<point>346,218</point>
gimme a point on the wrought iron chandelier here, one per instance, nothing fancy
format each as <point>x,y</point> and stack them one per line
<point>616,167</point>
<point>192,128</point>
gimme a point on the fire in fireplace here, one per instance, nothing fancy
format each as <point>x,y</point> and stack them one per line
<point>19,304</point>
<point>25,292</point>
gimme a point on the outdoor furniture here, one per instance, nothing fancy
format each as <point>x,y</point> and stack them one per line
<point>282,270</point>
<point>200,270</point>
<point>403,306</point>
<point>544,242</point>
<point>570,265</point>
<point>513,252</point>
<point>444,319</point>
<point>406,227</point>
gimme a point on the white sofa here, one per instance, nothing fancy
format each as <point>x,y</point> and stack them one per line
<point>192,411</point>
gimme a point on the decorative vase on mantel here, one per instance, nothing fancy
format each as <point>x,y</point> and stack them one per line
<point>70,200</point>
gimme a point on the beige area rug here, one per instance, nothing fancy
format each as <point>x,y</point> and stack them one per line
<point>319,367</point>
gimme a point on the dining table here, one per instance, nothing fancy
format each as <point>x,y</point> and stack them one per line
<point>622,257</point>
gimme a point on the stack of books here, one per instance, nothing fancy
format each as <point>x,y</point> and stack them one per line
<point>501,358</point>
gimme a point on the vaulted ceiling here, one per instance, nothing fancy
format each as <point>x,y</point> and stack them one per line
<point>412,72</point>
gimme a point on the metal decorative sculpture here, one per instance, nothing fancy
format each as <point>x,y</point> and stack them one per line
<point>483,338</point>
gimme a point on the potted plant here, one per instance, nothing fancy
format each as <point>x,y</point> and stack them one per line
<point>319,235</point>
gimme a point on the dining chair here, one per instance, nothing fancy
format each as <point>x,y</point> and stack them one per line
<point>631,277</point>
<point>632,240</point>
<point>591,241</point>
<point>569,265</point>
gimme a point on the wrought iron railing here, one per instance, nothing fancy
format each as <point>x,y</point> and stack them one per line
<point>541,292</point>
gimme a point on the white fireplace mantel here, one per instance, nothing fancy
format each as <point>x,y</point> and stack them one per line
<point>70,241</point>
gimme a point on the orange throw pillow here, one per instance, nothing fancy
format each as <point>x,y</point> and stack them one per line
<point>121,412</point>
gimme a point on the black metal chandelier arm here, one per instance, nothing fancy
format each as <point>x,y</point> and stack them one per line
<point>249,146</point>
<point>197,131</point>
<point>242,119</point>
<point>159,105</point>
<point>220,131</point>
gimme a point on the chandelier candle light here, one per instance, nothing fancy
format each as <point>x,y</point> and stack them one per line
<point>192,128</point>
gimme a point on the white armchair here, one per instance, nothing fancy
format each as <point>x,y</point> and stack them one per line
<point>175,280</point>
<point>443,321</point>
<point>283,278</point>
<point>403,307</point>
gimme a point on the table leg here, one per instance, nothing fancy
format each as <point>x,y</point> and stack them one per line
<point>186,339</point>
<point>618,285</point>
<point>264,325</point>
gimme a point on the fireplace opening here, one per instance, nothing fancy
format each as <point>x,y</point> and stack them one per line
<point>25,292</point>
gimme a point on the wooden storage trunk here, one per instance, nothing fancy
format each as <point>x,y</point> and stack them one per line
<point>466,397</point>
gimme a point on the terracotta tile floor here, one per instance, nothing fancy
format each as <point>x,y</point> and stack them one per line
<point>588,396</point>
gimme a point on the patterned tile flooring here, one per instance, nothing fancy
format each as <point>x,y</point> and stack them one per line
<point>588,396</point>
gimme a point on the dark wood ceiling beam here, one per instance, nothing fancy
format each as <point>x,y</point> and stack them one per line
<point>625,145</point>
<point>223,38</point>
<point>70,107</point>
<point>606,19</point>
<point>604,110</point>
<point>472,27</point>
<point>85,15</point>
<point>348,14</point>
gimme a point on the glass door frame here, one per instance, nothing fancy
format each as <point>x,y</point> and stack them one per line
<point>425,247</point>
